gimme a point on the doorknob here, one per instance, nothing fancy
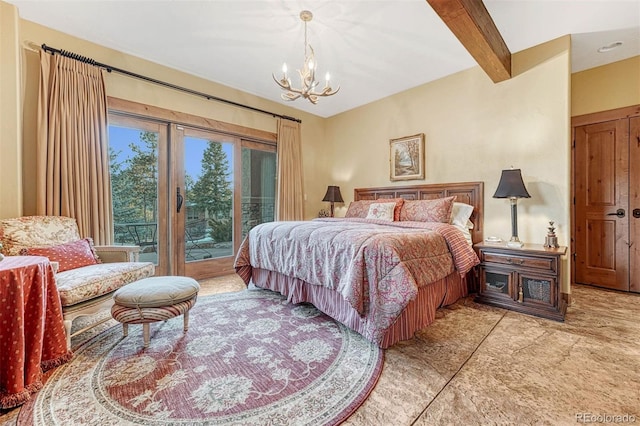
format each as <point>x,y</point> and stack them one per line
<point>619,213</point>
<point>636,213</point>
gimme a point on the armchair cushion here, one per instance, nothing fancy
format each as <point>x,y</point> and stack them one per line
<point>69,255</point>
<point>81,284</point>
<point>24,232</point>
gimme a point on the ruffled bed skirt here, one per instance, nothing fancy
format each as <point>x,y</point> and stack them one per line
<point>418,314</point>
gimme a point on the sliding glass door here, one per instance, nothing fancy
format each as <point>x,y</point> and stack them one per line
<point>186,194</point>
<point>205,200</point>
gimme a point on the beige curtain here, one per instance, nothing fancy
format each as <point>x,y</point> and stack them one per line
<point>73,158</point>
<point>290,193</point>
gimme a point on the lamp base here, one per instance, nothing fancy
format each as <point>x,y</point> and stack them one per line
<point>515,244</point>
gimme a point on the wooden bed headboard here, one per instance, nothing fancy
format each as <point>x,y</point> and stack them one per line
<point>466,192</point>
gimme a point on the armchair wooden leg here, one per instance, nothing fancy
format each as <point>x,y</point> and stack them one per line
<point>186,321</point>
<point>67,332</point>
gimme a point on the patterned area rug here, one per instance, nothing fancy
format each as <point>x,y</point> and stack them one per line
<point>249,358</point>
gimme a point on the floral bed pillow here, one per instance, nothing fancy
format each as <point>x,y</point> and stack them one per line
<point>69,255</point>
<point>381,211</point>
<point>436,210</point>
<point>361,208</point>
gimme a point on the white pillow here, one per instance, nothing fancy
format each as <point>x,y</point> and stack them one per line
<point>381,211</point>
<point>466,232</point>
<point>460,214</point>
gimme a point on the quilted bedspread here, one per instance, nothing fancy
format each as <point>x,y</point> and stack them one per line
<point>376,266</point>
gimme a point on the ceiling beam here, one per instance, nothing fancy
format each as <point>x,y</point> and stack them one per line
<point>474,27</point>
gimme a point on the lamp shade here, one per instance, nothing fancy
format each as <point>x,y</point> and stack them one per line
<point>511,185</point>
<point>333,195</point>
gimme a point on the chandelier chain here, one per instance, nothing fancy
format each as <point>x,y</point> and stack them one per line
<point>305,39</point>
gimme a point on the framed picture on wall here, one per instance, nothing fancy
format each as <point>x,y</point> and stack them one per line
<point>407,157</point>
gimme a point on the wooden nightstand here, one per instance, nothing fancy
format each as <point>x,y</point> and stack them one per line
<point>526,279</point>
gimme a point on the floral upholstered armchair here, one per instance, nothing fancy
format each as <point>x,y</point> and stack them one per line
<point>86,275</point>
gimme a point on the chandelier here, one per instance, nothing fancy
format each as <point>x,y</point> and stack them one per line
<point>309,84</point>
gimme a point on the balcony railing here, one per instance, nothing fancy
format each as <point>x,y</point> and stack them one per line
<point>255,210</point>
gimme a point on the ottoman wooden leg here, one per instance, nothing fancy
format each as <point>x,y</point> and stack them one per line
<point>145,333</point>
<point>186,321</point>
<point>125,329</point>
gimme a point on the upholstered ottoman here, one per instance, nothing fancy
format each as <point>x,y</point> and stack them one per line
<point>154,299</point>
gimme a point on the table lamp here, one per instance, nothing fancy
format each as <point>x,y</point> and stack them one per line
<point>333,196</point>
<point>512,187</point>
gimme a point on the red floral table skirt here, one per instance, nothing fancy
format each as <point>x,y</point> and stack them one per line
<point>32,336</point>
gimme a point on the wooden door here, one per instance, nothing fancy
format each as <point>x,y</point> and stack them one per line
<point>602,204</point>
<point>634,204</point>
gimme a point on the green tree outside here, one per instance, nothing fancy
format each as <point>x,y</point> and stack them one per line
<point>212,195</point>
<point>134,184</point>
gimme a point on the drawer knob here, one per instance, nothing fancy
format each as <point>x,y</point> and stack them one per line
<point>520,261</point>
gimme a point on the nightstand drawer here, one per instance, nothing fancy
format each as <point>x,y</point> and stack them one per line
<point>544,263</point>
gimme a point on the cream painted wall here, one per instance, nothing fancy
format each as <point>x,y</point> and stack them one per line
<point>474,129</point>
<point>607,87</point>
<point>10,114</point>
<point>314,156</point>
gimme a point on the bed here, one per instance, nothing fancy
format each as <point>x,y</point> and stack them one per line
<point>384,279</point>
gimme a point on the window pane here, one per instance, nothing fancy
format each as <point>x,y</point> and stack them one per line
<point>134,186</point>
<point>208,199</point>
<point>258,188</point>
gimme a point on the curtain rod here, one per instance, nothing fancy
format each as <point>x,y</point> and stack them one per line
<point>110,68</point>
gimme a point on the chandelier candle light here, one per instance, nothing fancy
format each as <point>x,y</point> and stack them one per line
<point>307,74</point>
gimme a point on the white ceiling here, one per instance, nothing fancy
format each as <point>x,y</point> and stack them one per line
<point>373,48</point>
